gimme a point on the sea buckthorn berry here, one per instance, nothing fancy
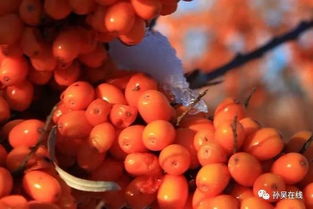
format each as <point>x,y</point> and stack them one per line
<point>309,176</point>
<point>173,192</point>
<point>203,137</point>
<point>6,182</point>
<point>211,152</point>
<point>168,7</point>
<point>26,133</point>
<point>136,34</point>
<point>15,201</point>
<point>115,151</point>
<point>308,195</point>
<point>19,96</point>
<point>296,142</point>
<point>143,163</point>
<point>88,157</point>
<point>30,11</point>
<point>149,184</point>
<point>224,135</point>
<point>130,139</point>
<point>264,144</point>
<point>120,17</point>
<point>174,159</point>
<point>67,76</point>
<point>82,7</point>
<point>184,137</point>
<point>197,123</point>
<point>39,77</point>
<point>136,199</point>
<point>199,196</point>
<point>270,183</point>
<point>16,156</point>
<point>244,168</point>
<point>290,203</point>
<point>137,84</point>
<point>123,116</point>
<point>4,110</point>
<point>13,70</point>
<point>292,167</point>
<point>158,134</point>
<point>74,124</point>
<point>153,105</point>
<point>95,19</point>
<point>109,170</point>
<point>213,178</point>
<point>148,9</point>
<point>89,43</point>
<point>120,82</point>
<point>11,28</point>
<point>94,58</point>
<point>12,50</point>
<point>59,111</point>
<point>66,46</point>
<point>110,93</point>
<point>240,192</point>
<point>31,41</point>
<point>41,186</point>
<point>249,125</point>
<point>78,95</point>
<point>255,203</point>
<point>102,136</point>
<point>221,201</point>
<point>7,127</point>
<point>45,60</point>
<point>227,110</point>
<point>98,111</point>
<point>57,9</point>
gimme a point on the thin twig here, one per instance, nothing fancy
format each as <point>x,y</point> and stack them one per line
<point>247,101</point>
<point>152,23</point>
<point>189,108</point>
<point>234,129</point>
<point>41,139</point>
<point>306,145</point>
<point>198,79</point>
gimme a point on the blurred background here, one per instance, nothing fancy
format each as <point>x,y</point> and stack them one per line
<point>209,33</point>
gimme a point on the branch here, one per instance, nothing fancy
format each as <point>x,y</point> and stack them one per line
<point>40,141</point>
<point>306,145</point>
<point>235,135</point>
<point>199,79</point>
<point>190,107</point>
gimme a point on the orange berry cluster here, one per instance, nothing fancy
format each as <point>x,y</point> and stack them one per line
<point>57,42</point>
<point>125,130</point>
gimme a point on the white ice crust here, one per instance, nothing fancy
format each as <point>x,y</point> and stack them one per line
<point>155,56</point>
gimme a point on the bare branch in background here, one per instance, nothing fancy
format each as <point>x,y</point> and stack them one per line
<point>198,79</point>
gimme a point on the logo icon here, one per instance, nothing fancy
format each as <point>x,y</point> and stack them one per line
<point>263,194</point>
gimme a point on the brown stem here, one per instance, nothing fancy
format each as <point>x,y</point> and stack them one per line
<point>234,129</point>
<point>43,134</point>
<point>306,145</point>
<point>189,108</point>
<point>247,101</point>
<point>198,78</point>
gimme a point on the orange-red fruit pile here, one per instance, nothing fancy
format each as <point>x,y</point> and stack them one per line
<point>58,42</point>
<point>126,133</point>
